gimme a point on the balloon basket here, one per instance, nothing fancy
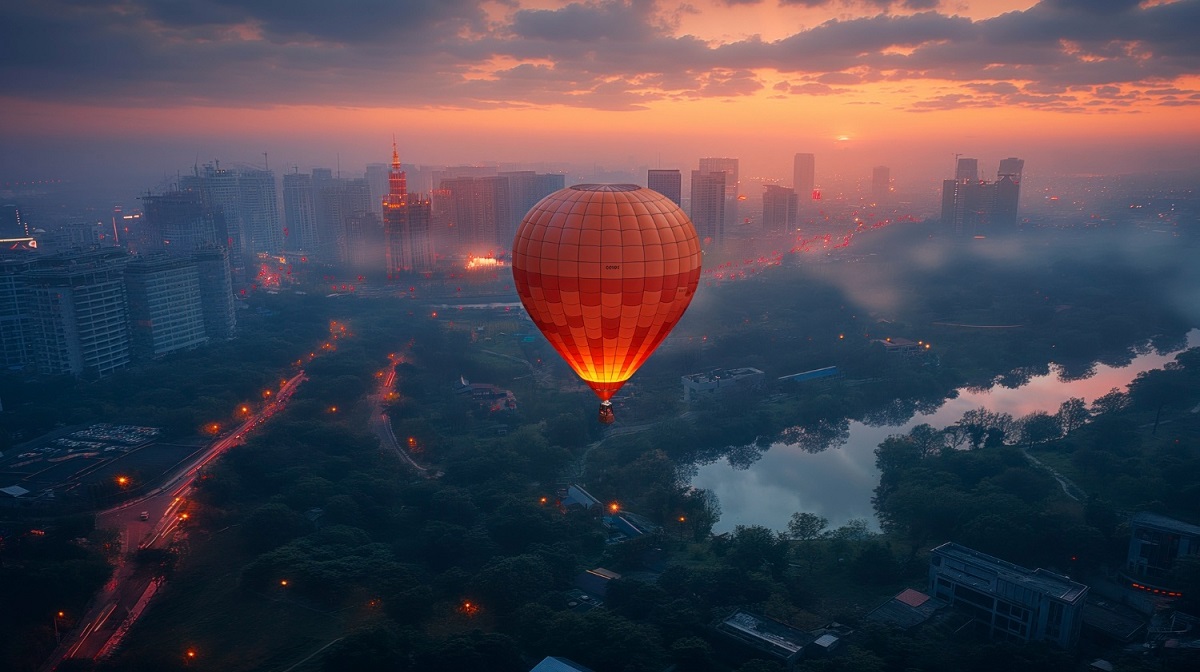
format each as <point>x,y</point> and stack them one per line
<point>606,413</point>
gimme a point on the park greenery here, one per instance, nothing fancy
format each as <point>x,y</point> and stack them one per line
<point>311,543</point>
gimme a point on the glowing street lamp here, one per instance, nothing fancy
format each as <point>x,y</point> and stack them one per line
<point>122,481</point>
<point>614,507</point>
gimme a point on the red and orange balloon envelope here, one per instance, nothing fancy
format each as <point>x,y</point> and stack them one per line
<point>605,271</point>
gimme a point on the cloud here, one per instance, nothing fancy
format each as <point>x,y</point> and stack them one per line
<point>606,54</point>
<point>587,22</point>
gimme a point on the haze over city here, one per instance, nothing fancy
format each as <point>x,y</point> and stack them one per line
<point>599,335</point>
<point>132,92</point>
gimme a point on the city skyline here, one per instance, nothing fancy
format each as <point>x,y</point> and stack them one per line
<point>1073,86</point>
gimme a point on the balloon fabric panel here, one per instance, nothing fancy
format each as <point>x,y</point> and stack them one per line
<point>605,271</point>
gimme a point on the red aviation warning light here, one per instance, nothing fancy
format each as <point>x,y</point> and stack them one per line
<point>605,271</point>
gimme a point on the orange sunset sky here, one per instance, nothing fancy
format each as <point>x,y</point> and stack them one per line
<point>1073,85</point>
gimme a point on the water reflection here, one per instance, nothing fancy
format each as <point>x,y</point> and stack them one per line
<point>797,475</point>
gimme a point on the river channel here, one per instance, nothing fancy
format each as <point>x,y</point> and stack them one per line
<point>838,483</point>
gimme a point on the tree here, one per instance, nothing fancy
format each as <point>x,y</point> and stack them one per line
<point>753,546</point>
<point>1157,388</point>
<point>806,526</point>
<point>928,441</point>
<point>1114,401</point>
<point>1039,427</point>
<point>692,653</point>
<point>985,428</point>
<point>855,529</point>
<point>1072,414</point>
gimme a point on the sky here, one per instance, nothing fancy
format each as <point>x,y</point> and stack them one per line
<point>141,88</point>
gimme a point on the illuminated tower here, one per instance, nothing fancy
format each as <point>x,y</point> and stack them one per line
<point>406,224</point>
<point>666,182</point>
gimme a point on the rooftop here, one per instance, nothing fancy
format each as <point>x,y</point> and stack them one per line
<point>767,634</point>
<point>719,374</point>
<point>554,664</point>
<point>1147,519</point>
<point>1040,580</point>
<point>908,609</point>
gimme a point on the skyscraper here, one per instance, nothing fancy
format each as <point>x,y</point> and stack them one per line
<point>300,213</point>
<point>79,320</point>
<point>708,206</point>
<point>730,168</point>
<point>967,169</point>
<point>15,339</point>
<point>669,183</point>
<point>881,183</point>
<point>165,310</point>
<point>1013,167</point>
<point>259,209</point>
<point>474,209</point>
<point>804,176</point>
<point>216,292</point>
<point>779,209</point>
<point>178,223</point>
<point>1008,190</point>
<point>342,201</point>
<point>525,188</point>
<point>248,201</point>
<point>406,226</point>
<point>976,207</point>
<point>218,187</point>
<point>377,182</point>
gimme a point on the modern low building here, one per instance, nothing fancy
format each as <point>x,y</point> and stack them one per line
<point>902,346</point>
<point>825,373</point>
<point>1008,601</point>
<point>777,640</point>
<point>720,381</point>
<point>1155,543</point>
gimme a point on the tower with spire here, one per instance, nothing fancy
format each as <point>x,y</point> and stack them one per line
<point>406,225</point>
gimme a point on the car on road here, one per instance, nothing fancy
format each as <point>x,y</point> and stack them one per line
<point>145,515</point>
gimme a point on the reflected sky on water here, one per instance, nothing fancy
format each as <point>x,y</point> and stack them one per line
<point>838,483</point>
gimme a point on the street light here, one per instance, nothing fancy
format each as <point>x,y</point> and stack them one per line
<point>614,507</point>
<point>122,481</point>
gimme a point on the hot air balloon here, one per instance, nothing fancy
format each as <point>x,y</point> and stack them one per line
<point>605,271</point>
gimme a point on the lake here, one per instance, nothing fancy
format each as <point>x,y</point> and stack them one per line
<point>838,483</point>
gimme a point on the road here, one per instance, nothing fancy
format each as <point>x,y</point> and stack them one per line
<point>382,425</point>
<point>122,600</point>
